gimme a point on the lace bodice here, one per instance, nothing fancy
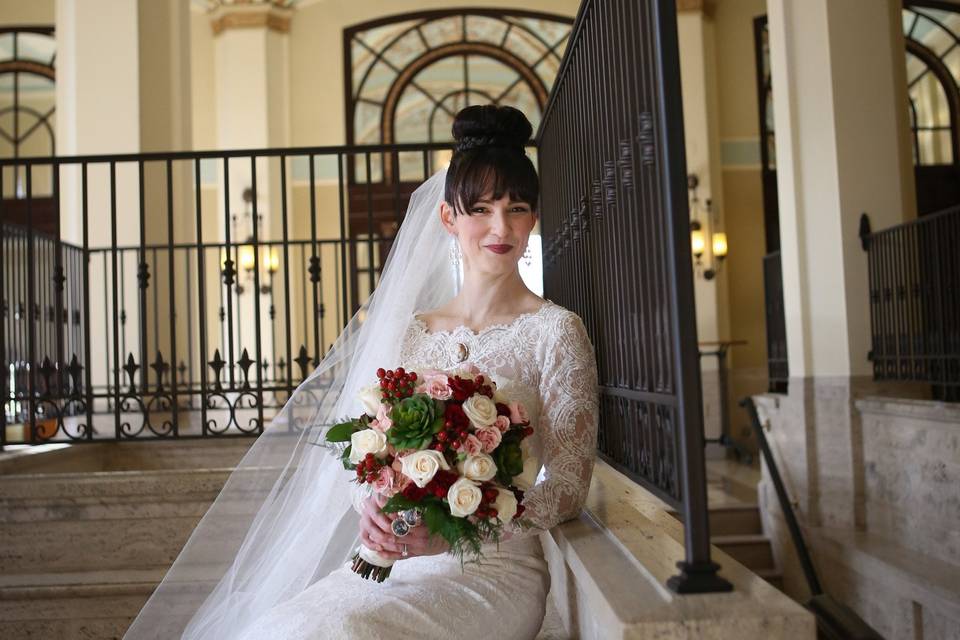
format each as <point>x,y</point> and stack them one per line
<point>545,360</point>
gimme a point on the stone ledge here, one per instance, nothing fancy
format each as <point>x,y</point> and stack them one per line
<point>609,567</point>
<point>930,410</point>
<point>919,577</point>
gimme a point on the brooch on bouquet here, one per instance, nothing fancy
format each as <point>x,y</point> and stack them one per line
<point>445,450</point>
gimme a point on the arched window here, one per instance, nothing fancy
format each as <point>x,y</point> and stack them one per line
<point>27,105</point>
<point>408,75</point>
<point>27,100</point>
<point>933,77</point>
<point>931,30</point>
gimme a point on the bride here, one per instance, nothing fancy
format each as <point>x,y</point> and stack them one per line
<point>270,559</point>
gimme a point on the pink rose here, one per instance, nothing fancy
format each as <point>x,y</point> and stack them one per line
<point>384,483</point>
<point>518,413</point>
<point>436,387</point>
<point>471,445</point>
<point>502,423</point>
<point>382,422</point>
<point>489,437</point>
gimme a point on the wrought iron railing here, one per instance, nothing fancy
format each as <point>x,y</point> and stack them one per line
<point>170,304</point>
<point>778,367</point>
<point>617,251</point>
<point>914,276</point>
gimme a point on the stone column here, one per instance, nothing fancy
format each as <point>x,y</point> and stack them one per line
<point>841,140</point>
<point>251,71</point>
<point>123,86</point>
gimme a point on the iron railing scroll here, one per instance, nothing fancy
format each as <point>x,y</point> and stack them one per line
<point>616,250</point>
<point>186,294</point>
<point>914,297</point>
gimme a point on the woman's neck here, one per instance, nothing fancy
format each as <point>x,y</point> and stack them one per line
<point>484,297</point>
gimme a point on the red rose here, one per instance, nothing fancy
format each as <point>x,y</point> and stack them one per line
<point>454,413</point>
<point>462,389</point>
<point>413,492</point>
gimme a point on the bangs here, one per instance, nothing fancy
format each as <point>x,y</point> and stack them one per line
<point>495,171</point>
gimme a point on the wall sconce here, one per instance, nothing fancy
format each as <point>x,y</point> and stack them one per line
<point>699,239</point>
<point>269,261</point>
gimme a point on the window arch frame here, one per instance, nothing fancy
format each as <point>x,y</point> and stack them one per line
<point>949,84</point>
<point>463,47</point>
<point>16,66</point>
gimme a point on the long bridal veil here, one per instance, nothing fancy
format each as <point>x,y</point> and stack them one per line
<point>284,518</point>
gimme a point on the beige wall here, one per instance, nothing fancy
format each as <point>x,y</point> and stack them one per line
<point>742,192</point>
<point>27,12</point>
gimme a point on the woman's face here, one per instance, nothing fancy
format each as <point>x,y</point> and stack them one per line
<point>494,235</point>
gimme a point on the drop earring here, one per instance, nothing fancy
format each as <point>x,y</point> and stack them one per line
<point>527,256</point>
<point>455,254</point>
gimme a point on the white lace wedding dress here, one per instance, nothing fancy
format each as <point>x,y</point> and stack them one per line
<point>544,359</point>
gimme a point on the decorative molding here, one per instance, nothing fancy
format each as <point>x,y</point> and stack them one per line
<point>211,5</point>
<point>251,15</point>
<point>706,7</point>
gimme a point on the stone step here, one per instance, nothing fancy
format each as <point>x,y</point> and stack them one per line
<point>51,523</point>
<point>773,576</point>
<point>88,605</point>
<point>741,519</point>
<point>212,453</point>
<point>99,605</point>
<point>751,550</point>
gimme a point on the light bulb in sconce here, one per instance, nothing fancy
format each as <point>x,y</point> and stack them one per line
<point>247,259</point>
<point>697,241</point>
<point>272,259</point>
<point>720,245</point>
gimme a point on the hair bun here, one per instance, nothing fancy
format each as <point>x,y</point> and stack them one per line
<point>490,125</point>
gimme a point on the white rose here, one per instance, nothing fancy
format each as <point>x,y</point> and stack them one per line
<point>505,504</point>
<point>421,466</point>
<point>481,410</point>
<point>531,467</point>
<point>479,467</point>
<point>499,397</point>
<point>464,497</point>
<point>367,441</point>
<point>370,397</point>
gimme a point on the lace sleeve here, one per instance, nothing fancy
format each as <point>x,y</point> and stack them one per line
<point>568,426</point>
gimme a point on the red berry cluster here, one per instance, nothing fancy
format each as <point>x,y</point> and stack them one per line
<point>438,486</point>
<point>485,510</point>
<point>396,384</point>
<point>368,469</point>
<point>456,427</point>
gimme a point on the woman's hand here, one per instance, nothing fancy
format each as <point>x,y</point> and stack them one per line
<point>376,534</point>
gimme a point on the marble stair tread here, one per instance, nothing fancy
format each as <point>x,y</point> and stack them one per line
<point>739,538</point>
<point>916,571</point>
<point>14,583</point>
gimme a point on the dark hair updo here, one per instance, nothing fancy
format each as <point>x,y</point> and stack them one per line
<point>490,156</point>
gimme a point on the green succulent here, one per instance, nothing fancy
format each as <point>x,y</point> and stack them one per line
<point>509,460</point>
<point>415,421</point>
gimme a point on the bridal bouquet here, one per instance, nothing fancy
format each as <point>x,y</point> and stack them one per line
<point>445,449</point>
